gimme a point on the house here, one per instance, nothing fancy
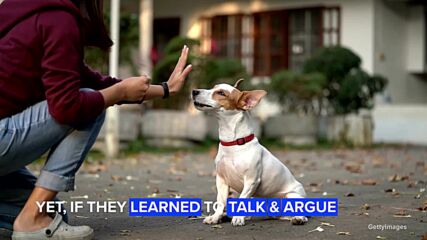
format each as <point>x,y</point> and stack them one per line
<point>268,35</point>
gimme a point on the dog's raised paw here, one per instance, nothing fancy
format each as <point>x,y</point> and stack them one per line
<point>213,219</point>
<point>238,221</point>
<point>299,220</point>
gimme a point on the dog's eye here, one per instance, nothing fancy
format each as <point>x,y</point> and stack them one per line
<point>221,93</point>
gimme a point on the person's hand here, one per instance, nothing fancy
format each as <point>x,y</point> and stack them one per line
<point>177,78</point>
<point>135,88</point>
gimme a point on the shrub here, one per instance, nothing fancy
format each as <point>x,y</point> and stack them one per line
<point>297,92</point>
<point>348,87</point>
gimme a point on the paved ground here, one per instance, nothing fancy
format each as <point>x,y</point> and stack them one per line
<point>378,186</point>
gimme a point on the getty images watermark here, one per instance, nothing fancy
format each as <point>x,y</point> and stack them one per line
<point>384,227</point>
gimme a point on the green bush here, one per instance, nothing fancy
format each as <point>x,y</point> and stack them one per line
<point>222,70</point>
<point>297,92</point>
<point>348,88</point>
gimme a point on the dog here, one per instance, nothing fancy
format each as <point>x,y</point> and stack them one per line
<point>242,163</point>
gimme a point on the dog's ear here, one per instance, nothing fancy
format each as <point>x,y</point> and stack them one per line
<point>249,99</point>
<point>236,85</point>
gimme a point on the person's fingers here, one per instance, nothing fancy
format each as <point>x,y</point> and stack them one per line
<point>148,81</point>
<point>181,61</point>
<point>186,71</point>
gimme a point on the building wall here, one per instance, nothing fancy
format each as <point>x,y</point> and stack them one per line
<point>395,50</point>
<point>356,17</point>
<point>385,34</point>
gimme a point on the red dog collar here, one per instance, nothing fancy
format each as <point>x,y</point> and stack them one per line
<point>239,141</point>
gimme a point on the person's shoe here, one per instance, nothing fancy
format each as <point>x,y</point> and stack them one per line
<point>5,233</point>
<point>57,230</point>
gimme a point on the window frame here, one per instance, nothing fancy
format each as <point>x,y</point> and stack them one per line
<point>251,57</point>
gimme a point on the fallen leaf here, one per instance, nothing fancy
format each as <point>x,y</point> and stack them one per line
<point>353,168</point>
<point>402,214</point>
<point>344,233</point>
<point>96,168</point>
<point>315,190</point>
<point>380,237</point>
<point>125,232</point>
<point>130,178</point>
<point>80,197</point>
<point>155,190</point>
<point>116,178</point>
<point>318,229</point>
<point>350,194</point>
<point>378,161</point>
<point>424,206</point>
<point>327,224</point>
<point>343,182</point>
<point>216,226</point>
<point>366,206</point>
<point>369,182</point>
<point>397,178</point>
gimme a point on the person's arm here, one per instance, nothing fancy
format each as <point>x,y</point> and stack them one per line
<point>60,64</point>
<point>116,93</point>
<point>95,80</point>
<point>130,90</point>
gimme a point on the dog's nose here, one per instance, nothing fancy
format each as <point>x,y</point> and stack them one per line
<point>195,92</point>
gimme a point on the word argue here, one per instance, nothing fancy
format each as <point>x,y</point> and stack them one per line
<point>276,207</point>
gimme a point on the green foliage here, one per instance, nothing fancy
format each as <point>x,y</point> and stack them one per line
<point>206,72</point>
<point>334,62</point>
<point>222,70</point>
<point>357,91</point>
<point>175,45</point>
<point>297,91</point>
<point>348,88</point>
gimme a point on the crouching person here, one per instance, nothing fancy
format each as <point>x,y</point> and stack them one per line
<point>51,102</point>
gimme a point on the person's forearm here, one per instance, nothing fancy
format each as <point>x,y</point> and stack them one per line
<point>112,95</point>
<point>154,91</point>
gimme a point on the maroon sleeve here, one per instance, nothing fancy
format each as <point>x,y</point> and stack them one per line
<point>95,80</point>
<point>62,55</point>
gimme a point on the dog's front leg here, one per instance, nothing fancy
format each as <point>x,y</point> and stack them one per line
<point>223,191</point>
<point>251,183</point>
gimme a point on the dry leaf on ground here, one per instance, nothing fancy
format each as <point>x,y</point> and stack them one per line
<point>318,229</point>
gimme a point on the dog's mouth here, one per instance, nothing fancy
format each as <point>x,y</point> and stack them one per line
<point>198,104</point>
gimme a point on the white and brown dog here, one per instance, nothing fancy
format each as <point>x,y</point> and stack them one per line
<point>242,163</point>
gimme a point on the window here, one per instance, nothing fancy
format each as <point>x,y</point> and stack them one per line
<point>267,42</point>
<point>224,36</point>
<point>305,35</point>
<point>270,52</point>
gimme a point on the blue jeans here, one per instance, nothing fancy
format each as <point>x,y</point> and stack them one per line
<point>24,138</point>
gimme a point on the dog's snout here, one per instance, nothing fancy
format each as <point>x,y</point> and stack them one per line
<point>195,92</point>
